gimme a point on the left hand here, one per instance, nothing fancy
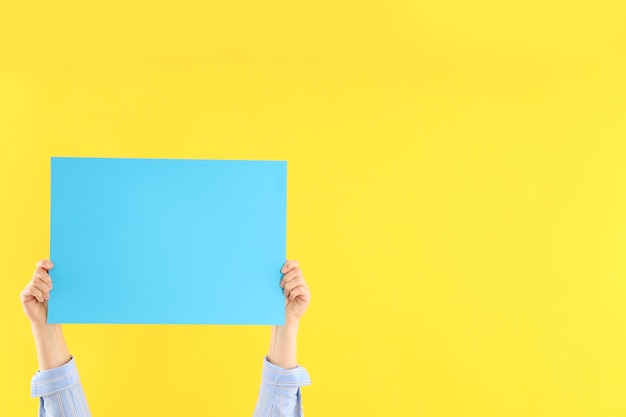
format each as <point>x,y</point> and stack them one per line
<point>297,293</point>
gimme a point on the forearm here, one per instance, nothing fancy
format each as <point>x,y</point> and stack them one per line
<point>56,383</point>
<point>52,350</point>
<point>279,395</point>
<point>283,345</point>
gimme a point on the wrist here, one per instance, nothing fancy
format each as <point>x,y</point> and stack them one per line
<point>291,323</point>
<point>289,329</point>
<point>45,329</point>
<point>51,347</point>
<point>283,345</point>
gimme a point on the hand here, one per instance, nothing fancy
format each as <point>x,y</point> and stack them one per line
<point>36,294</point>
<point>297,293</point>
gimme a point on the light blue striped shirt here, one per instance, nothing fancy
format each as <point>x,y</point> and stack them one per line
<point>61,394</point>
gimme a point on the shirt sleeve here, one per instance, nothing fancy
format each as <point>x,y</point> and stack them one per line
<point>60,393</point>
<point>279,395</point>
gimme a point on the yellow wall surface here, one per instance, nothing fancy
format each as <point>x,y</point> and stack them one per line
<point>457,194</point>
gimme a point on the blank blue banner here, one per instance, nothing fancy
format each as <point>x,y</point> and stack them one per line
<point>167,241</point>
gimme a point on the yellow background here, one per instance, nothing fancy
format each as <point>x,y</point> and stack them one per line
<point>457,191</point>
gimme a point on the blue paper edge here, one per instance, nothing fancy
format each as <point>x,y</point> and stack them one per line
<point>283,162</point>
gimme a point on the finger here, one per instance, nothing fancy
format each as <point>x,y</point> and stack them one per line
<point>32,291</point>
<point>25,296</point>
<point>45,264</point>
<point>43,277</point>
<point>45,290</point>
<point>291,275</point>
<point>289,265</point>
<point>300,291</point>
<point>297,281</point>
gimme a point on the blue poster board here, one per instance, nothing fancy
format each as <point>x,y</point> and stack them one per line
<point>167,241</point>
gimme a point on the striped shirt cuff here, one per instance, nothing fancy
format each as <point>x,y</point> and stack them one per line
<point>53,380</point>
<point>285,379</point>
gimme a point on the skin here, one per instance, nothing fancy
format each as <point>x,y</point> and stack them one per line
<point>51,347</point>
<point>282,350</point>
<point>52,350</point>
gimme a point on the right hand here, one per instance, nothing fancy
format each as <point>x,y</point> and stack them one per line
<point>36,294</point>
